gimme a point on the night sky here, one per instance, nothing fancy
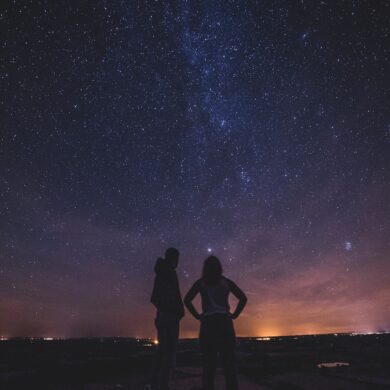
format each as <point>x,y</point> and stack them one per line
<point>258,131</point>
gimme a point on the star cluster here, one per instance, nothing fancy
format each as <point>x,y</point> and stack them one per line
<point>257,131</point>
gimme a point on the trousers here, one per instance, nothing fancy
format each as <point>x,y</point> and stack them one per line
<point>217,336</point>
<point>167,325</point>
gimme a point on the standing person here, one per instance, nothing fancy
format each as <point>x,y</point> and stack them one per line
<point>167,299</point>
<point>216,330</point>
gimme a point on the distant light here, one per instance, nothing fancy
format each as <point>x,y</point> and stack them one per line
<point>332,365</point>
<point>348,245</point>
<point>263,339</point>
<point>209,250</point>
<point>48,338</point>
<point>3,338</point>
<point>151,343</point>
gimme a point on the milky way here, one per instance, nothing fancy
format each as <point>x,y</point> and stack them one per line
<point>257,131</point>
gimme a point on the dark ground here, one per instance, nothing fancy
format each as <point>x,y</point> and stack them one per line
<point>121,363</point>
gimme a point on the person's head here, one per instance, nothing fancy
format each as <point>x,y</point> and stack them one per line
<point>212,270</point>
<point>172,255</point>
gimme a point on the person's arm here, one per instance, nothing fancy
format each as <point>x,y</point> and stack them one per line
<point>155,293</point>
<point>194,290</point>
<point>242,299</point>
<point>156,297</point>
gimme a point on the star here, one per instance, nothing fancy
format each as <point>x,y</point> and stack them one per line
<point>348,245</point>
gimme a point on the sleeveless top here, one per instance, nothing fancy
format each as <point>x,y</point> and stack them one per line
<point>215,296</point>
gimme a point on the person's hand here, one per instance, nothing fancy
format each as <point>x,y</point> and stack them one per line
<point>199,317</point>
<point>233,316</point>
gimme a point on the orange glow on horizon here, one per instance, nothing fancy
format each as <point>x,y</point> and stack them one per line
<point>321,300</point>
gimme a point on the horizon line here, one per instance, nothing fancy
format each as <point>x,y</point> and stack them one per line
<point>53,338</point>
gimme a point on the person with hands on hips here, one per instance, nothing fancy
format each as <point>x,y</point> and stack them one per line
<point>217,335</point>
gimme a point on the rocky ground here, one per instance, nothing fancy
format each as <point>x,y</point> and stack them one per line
<point>189,378</point>
<point>186,378</point>
<point>291,363</point>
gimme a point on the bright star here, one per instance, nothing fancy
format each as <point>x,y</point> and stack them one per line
<point>348,245</point>
<point>305,35</point>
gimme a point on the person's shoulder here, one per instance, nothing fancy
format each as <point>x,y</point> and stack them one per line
<point>228,281</point>
<point>198,282</point>
<point>162,267</point>
<point>158,265</point>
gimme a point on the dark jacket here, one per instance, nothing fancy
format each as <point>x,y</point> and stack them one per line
<point>166,292</point>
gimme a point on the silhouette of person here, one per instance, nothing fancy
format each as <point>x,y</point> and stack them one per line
<point>217,333</point>
<point>167,299</point>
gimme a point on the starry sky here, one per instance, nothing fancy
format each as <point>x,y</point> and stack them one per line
<point>258,131</point>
